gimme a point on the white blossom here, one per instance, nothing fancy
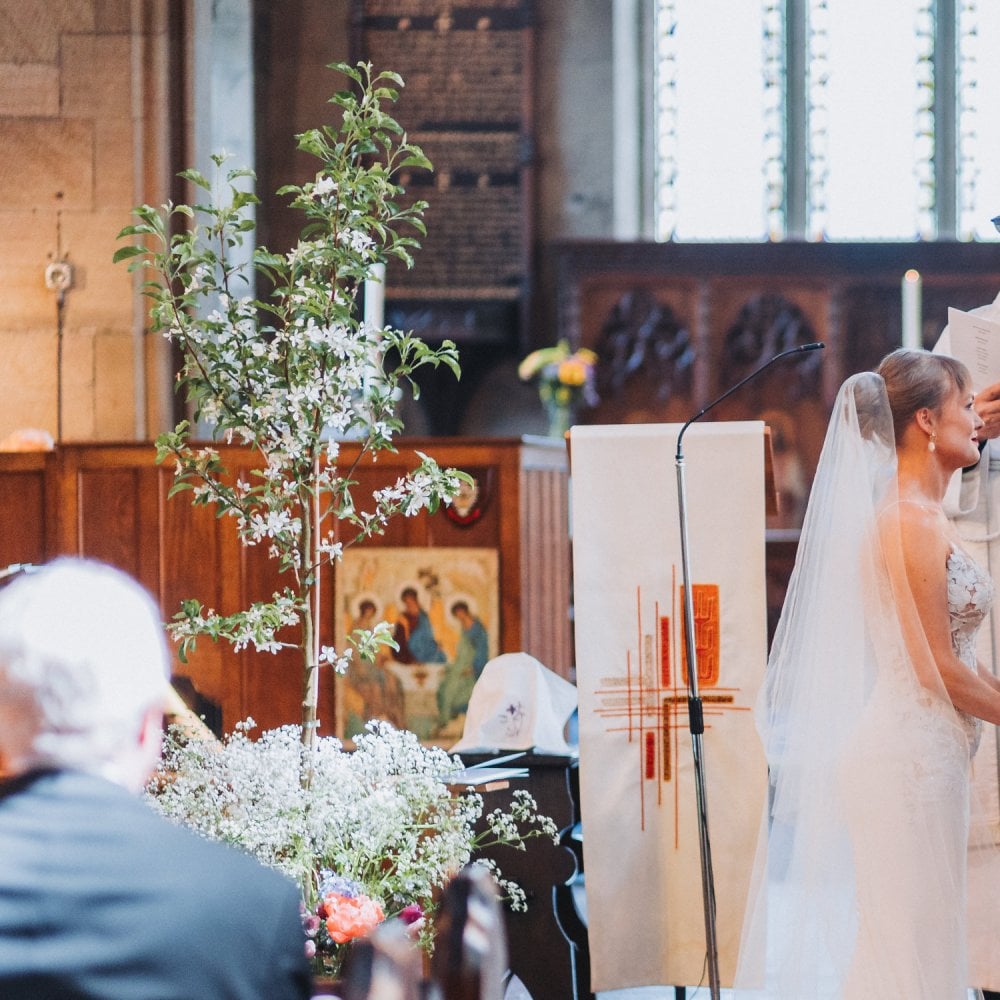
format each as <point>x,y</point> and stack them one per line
<point>383,815</point>
<point>323,187</point>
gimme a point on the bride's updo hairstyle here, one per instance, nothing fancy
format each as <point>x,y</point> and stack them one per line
<point>917,379</point>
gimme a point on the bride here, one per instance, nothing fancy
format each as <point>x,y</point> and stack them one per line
<point>871,711</point>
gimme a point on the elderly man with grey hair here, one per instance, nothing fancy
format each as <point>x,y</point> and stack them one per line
<point>99,896</point>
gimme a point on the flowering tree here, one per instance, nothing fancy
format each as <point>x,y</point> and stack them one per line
<point>289,373</point>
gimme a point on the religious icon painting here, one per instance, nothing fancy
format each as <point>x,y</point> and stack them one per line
<point>441,606</point>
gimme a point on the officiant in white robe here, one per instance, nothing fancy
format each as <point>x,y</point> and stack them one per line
<point>973,504</point>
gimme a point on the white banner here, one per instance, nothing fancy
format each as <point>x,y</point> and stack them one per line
<point>638,806</point>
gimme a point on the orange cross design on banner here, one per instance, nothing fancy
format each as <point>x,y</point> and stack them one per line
<point>649,703</point>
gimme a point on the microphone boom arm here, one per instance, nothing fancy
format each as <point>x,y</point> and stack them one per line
<point>696,716</point>
<point>742,382</point>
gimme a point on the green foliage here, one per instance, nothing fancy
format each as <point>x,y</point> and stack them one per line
<point>291,373</point>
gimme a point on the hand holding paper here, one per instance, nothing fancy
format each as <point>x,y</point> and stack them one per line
<point>988,407</point>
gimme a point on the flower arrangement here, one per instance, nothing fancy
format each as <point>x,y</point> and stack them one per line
<point>293,371</point>
<point>565,381</point>
<point>375,836</point>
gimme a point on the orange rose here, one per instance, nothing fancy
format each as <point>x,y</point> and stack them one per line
<point>351,917</point>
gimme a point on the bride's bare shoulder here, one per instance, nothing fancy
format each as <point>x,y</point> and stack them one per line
<point>918,526</point>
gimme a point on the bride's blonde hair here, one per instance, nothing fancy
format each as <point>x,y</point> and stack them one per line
<point>917,379</point>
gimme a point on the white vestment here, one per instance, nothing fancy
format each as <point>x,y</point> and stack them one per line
<point>973,504</point>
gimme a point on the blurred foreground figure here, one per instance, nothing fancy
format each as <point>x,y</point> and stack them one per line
<point>99,896</point>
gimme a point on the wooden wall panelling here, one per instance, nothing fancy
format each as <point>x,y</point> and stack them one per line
<point>511,527</point>
<point>833,365</point>
<point>272,683</point>
<point>113,506</point>
<point>266,687</point>
<point>110,502</point>
<point>109,507</point>
<point>960,291</point>
<point>755,318</point>
<point>872,326</point>
<point>545,578</point>
<point>24,503</point>
<point>202,560</point>
<point>111,528</point>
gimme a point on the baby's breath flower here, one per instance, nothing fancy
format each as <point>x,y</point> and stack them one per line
<point>380,823</point>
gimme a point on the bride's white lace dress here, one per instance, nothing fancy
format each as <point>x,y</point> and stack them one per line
<point>861,878</point>
<point>905,786</point>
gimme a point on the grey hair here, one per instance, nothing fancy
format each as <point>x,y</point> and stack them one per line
<point>83,658</point>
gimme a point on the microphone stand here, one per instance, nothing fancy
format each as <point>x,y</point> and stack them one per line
<point>696,716</point>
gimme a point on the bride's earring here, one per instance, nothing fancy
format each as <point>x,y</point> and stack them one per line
<point>931,446</point>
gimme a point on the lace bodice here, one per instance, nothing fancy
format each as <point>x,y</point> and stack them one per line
<point>970,595</point>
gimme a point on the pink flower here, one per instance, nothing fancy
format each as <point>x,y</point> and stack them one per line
<point>413,917</point>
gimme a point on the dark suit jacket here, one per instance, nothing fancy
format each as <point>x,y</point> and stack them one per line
<point>102,898</point>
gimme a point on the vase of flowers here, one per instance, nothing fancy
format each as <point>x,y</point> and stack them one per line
<point>565,382</point>
<point>375,836</point>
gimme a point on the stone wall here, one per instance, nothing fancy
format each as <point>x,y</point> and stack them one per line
<point>82,136</point>
<point>97,115</point>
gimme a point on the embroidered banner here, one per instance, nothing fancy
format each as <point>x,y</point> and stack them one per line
<point>641,841</point>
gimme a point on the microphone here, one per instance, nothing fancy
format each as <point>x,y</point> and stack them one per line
<point>696,715</point>
<point>742,382</point>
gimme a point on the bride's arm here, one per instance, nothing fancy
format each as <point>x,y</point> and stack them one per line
<point>991,679</point>
<point>925,551</point>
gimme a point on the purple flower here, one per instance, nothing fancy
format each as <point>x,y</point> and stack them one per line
<point>330,883</point>
<point>411,914</point>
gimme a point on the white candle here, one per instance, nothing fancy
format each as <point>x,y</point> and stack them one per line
<point>911,310</point>
<point>375,297</point>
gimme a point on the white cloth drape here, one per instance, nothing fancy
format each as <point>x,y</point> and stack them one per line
<point>641,843</point>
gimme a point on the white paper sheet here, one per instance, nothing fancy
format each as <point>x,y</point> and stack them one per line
<point>975,341</point>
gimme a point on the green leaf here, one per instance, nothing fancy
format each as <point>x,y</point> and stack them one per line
<point>124,253</point>
<point>195,177</point>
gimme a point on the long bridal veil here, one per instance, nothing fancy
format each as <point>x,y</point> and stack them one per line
<point>860,881</point>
